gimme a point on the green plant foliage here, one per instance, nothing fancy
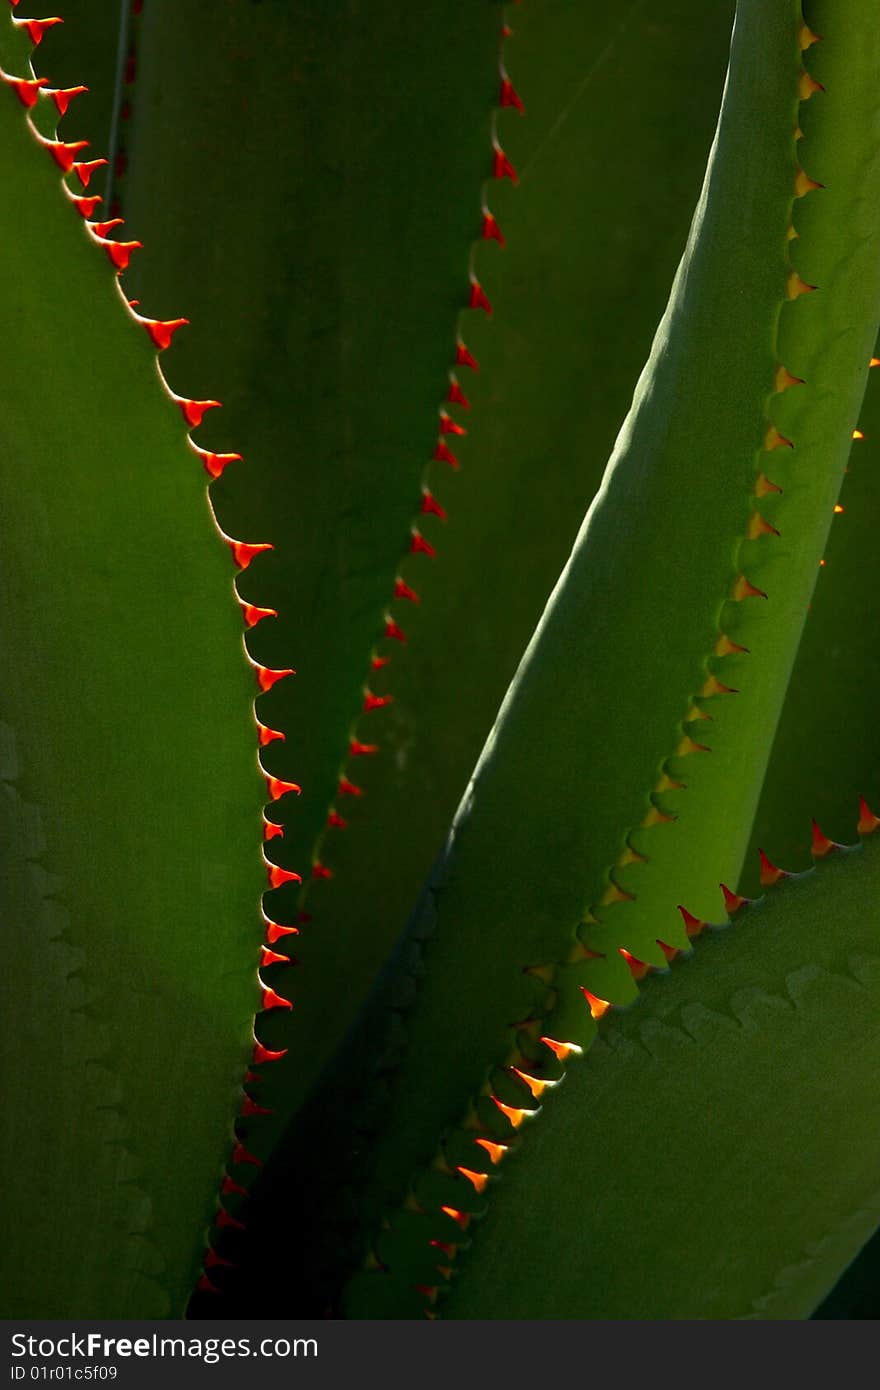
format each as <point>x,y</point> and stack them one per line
<point>131,863</point>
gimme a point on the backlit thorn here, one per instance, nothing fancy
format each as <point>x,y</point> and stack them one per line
<point>460,1218</point>
<point>86,206</point>
<point>419,546</point>
<point>269,999</point>
<point>512,1113</point>
<point>638,968</point>
<point>670,952</point>
<point>783,379</point>
<point>858,434</point>
<point>795,286</point>
<point>598,1007</point>
<point>464,358</point>
<point>212,1260</point>
<point>249,1106</point>
<point>347,788</point>
<point>502,167</point>
<point>725,647</point>
<point>443,454</point>
<point>712,686</point>
<point>838,509</point>
<point>615,894</point>
<point>491,231</point>
<point>242,1155</point>
<point>103,229</point>
<point>278,788</point>
<point>193,411</point>
<point>267,735</point>
<point>536,1084</point>
<point>203,1283</point>
<point>803,184</point>
<point>477,297</point>
<point>868,822</point>
<point>336,821</point>
<point>253,615</point>
<point>654,816</point>
<point>224,1219</point>
<point>85,168</point>
<point>270,957</point>
<point>495,1151</point>
<point>456,396</point>
<point>267,677</point>
<point>263,1054</point>
<point>807,85</point>
<point>874,362</point>
<point>806,37</point>
<point>402,590</point>
<point>27,89</point>
<point>744,588</point>
<point>243,552</point>
<point>431,507</point>
<point>629,856</point>
<point>687,746</point>
<point>163,330</point>
<point>562,1050</point>
<point>692,925</point>
<point>372,701</point>
<point>820,844</point>
<point>822,564</point>
<point>732,901</point>
<point>64,152</point>
<point>278,876</point>
<point>37,27</point>
<point>63,96</point>
<point>666,784</point>
<point>271,831</point>
<point>450,426</point>
<point>763,486</point>
<point>770,874</point>
<point>227,1187</point>
<point>392,630</point>
<point>274,932</point>
<point>478,1181</point>
<point>758,526</point>
<point>361,750</point>
<point>214,464</point>
<point>120,253</point>
<point>320,871</point>
<point>774,440</point>
<point>508,95</point>
<point>377,662</point>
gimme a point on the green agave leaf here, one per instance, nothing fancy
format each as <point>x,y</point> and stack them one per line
<point>131,860</point>
<point>714,1156</point>
<point>580,773</point>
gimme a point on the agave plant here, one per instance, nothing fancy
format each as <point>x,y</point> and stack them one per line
<point>420,253</point>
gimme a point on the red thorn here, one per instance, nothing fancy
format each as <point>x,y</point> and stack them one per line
<point>347,788</point>
<point>223,1219</point>
<point>337,821</point>
<point>278,876</point>
<point>27,89</point>
<point>770,874</point>
<point>376,701</point>
<point>491,231</point>
<point>249,1106</point>
<point>268,957</point>
<point>477,299</point>
<point>212,1260</point>
<point>193,411</point>
<point>392,630</point>
<point>64,152</point>
<point>243,553</point>
<point>267,735</point>
<point>84,170</point>
<point>203,1283</point>
<point>456,396</point>
<point>215,463</point>
<point>502,167</point>
<point>242,1155</point>
<point>266,677</point>
<point>321,871</point>
<point>163,330</point>
<point>419,546</point>
<point>274,932</point>
<point>692,925</point>
<point>271,1000</point>
<point>228,1186</point>
<point>450,426</point>
<point>278,788</point>
<point>264,1054</point>
<point>63,96</point>
<point>253,615</point>
<point>443,454</point>
<point>868,822</point>
<point>103,229</point>
<point>360,750</point>
<point>271,831</point>
<point>464,358</point>
<point>431,507</point>
<point>377,662</point>
<point>508,95</point>
<point>732,901</point>
<point>670,952</point>
<point>402,590</point>
<point>86,206</point>
<point>120,253</point>
<point>821,845</point>
<point>37,27</point>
